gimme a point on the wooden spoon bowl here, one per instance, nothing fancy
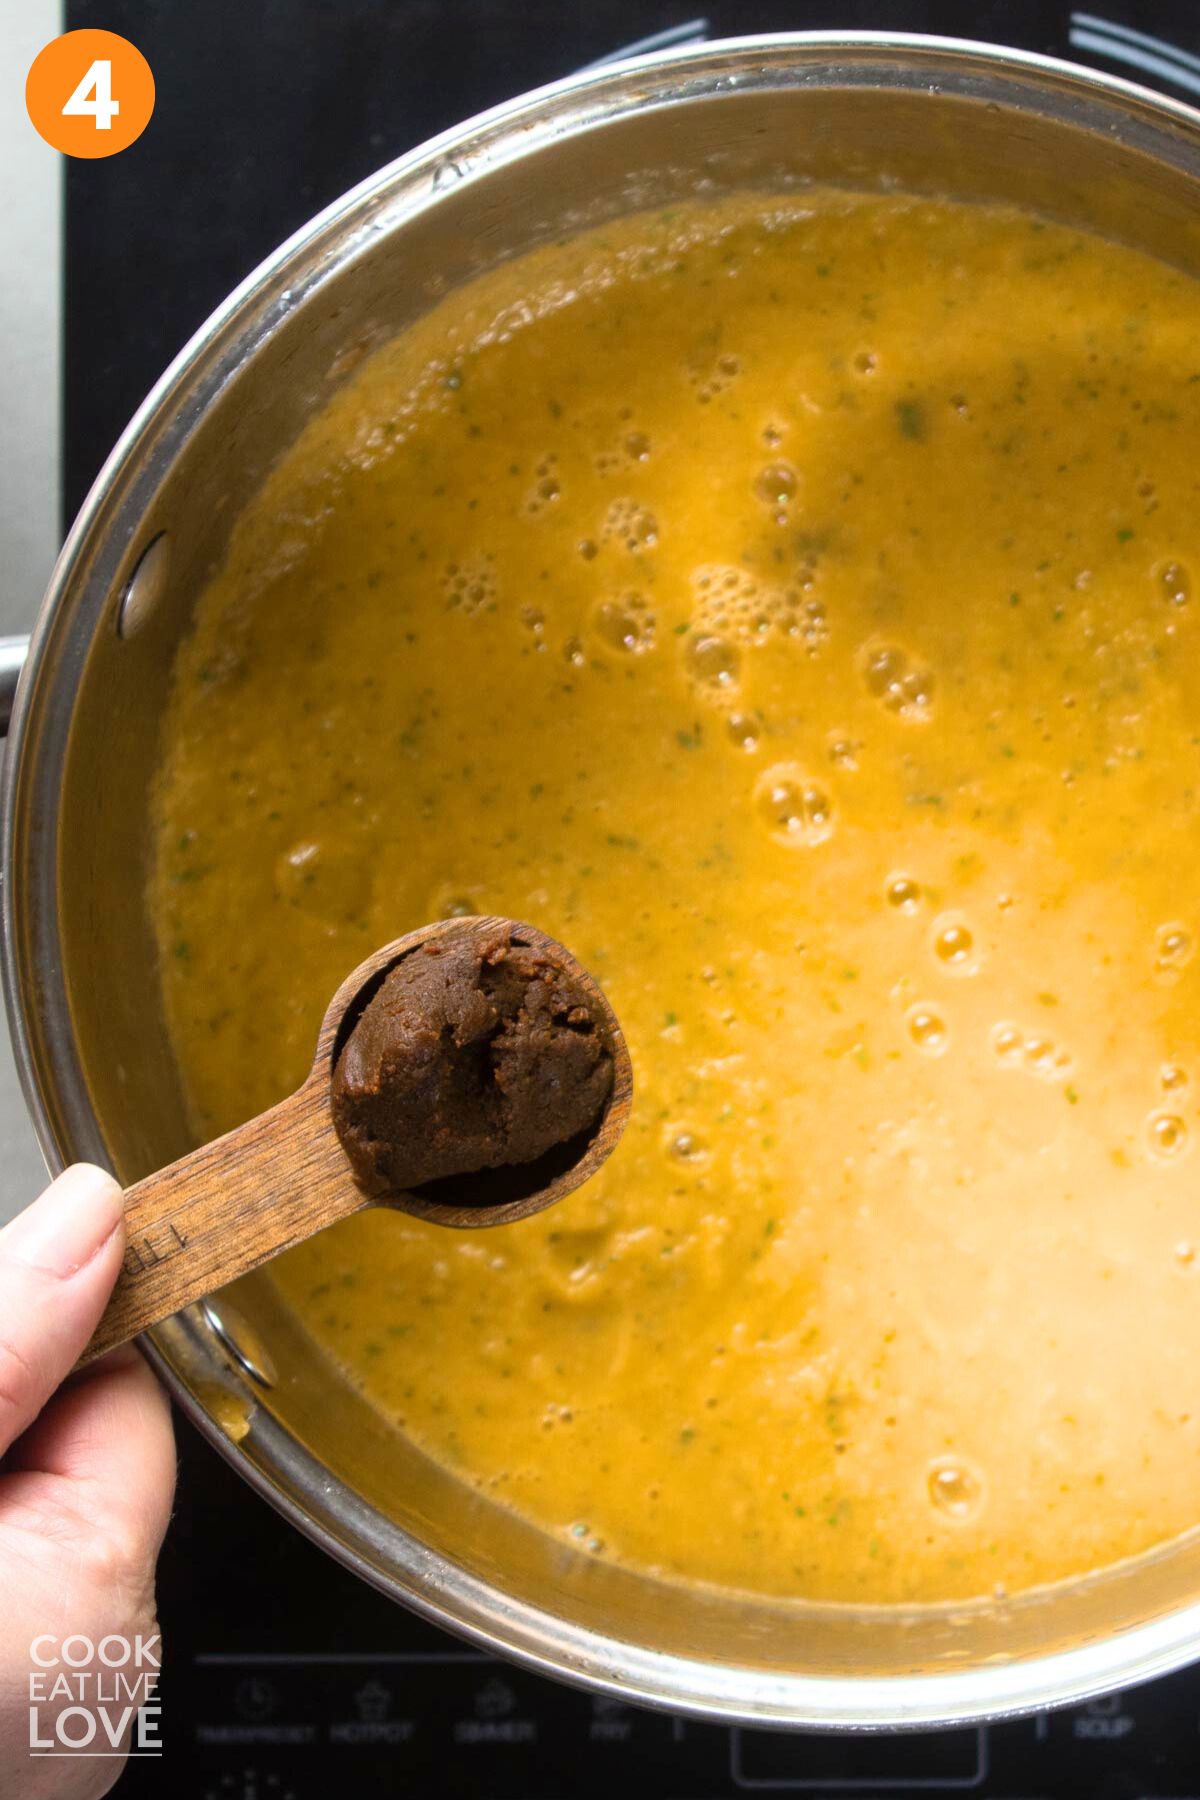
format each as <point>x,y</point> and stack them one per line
<point>231,1205</point>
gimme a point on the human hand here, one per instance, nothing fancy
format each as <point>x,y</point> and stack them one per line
<point>87,1473</point>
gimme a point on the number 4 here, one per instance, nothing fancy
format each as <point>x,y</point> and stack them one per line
<point>93,97</point>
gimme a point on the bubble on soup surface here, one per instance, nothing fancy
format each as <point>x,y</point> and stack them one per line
<point>1172,949</point>
<point>452,902</point>
<point>708,384</point>
<point>626,623</point>
<point>1185,1254</point>
<point>1043,1058</point>
<point>864,363</point>
<point>843,751</point>
<point>686,1146</point>
<point>927,1028</point>
<point>903,892</point>
<point>776,487</point>
<point>712,660</point>
<point>899,684</point>
<point>806,620</point>
<point>546,487</point>
<point>740,607</point>
<point>629,524</point>
<point>884,667</point>
<point>534,621</point>
<point>574,653</point>
<point>953,944</point>
<point>954,1488</point>
<point>1175,582</point>
<point>743,730</point>
<point>470,585</point>
<point>795,809</point>
<point>1008,1041</point>
<point>1166,1136</point>
<point>1173,1078</point>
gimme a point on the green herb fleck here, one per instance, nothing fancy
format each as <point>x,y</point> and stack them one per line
<point>910,416</point>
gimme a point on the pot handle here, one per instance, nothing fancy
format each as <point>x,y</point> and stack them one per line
<point>13,651</point>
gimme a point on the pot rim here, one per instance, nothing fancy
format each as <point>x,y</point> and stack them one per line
<point>282,1471</point>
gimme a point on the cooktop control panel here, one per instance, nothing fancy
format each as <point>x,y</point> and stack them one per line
<point>401,1722</point>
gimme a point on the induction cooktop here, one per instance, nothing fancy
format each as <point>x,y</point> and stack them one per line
<point>285,1678</point>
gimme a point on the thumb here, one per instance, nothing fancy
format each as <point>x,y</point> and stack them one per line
<point>59,1260</point>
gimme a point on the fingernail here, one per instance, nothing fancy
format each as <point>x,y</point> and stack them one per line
<point>68,1224</point>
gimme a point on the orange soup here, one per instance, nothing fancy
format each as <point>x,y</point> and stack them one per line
<point>789,606</point>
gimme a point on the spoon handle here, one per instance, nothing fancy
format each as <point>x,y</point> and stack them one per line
<point>222,1210</point>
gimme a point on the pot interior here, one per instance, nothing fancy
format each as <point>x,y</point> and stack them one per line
<point>756,117</point>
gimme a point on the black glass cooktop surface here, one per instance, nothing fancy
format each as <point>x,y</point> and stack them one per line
<point>285,1678</point>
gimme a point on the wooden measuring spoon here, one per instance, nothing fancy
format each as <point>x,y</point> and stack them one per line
<point>222,1210</point>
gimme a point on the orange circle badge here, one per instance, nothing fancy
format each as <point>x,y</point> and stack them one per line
<point>90,93</point>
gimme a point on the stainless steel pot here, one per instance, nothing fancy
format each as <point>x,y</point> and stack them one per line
<point>922,114</point>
